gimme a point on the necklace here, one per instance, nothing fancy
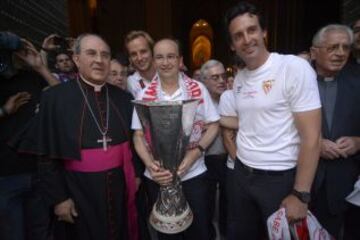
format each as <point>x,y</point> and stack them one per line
<point>105,139</point>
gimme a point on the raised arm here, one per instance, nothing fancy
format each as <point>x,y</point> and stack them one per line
<point>32,57</point>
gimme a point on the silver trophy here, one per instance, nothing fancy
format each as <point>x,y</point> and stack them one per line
<point>167,126</point>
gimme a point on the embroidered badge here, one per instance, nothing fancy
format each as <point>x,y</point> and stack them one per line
<point>267,85</point>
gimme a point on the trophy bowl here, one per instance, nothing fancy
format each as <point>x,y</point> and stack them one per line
<point>167,126</point>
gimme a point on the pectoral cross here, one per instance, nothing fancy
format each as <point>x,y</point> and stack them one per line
<point>105,139</point>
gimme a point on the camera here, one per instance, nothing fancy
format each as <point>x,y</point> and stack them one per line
<point>62,42</point>
<point>9,43</point>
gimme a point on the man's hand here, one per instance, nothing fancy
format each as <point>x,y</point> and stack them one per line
<point>14,102</point>
<point>190,157</point>
<point>160,175</point>
<point>65,211</point>
<point>331,150</point>
<point>348,145</point>
<point>30,55</point>
<point>294,208</point>
<point>49,43</point>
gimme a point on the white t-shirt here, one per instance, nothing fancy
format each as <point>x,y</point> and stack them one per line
<point>266,99</point>
<point>205,113</point>
<point>227,107</point>
<point>135,83</point>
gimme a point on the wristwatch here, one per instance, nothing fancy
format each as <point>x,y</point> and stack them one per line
<point>304,197</point>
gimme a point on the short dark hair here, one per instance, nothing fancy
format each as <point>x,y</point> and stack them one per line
<point>242,8</point>
<point>56,53</point>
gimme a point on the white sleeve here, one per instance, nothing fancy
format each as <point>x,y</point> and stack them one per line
<point>301,87</point>
<point>131,85</point>
<point>227,105</point>
<point>135,122</point>
<point>210,112</point>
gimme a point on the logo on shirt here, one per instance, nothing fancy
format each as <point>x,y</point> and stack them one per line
<point>267,85</point>
<point>249,94</point>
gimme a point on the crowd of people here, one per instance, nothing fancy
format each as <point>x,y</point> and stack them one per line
<point>282,132</point>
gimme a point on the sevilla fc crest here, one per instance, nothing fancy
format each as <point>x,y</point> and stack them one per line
<point>267,85</point>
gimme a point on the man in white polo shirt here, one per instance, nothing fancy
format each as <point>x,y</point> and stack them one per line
<point>278,106</point>
<point>172,85</point>
<point>139,48</point>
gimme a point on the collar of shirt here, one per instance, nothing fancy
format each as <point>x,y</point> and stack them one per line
<point>329,79</point>
<point>325,79</point>
<point>97,87</point>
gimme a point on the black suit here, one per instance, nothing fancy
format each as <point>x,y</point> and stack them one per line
<point>335,178</point>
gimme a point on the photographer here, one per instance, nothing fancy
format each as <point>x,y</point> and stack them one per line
<point>56,51</point>
<point>22,79</point>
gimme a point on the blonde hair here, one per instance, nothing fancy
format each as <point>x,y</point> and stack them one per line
<point>136,34</point>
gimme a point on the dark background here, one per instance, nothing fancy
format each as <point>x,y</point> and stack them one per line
<point>290,23</point>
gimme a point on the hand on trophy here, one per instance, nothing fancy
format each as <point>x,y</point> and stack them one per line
<point>190,157</point>
<point>160,175</point>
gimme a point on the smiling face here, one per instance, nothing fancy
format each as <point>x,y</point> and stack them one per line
<point>93,60</point>
<point>140,54</point>
<point>167,60</point>
<point>247,40</point>
<point>332,53</point>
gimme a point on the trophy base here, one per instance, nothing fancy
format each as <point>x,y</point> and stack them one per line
<point>171,224</point>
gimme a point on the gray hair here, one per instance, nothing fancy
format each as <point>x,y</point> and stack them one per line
<point>206,66</point>
<point>319,37</point>
<point>77,42</point>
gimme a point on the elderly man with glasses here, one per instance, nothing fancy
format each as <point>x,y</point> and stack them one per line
<point>339,88</point>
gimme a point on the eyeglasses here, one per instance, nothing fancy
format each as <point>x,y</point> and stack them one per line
<point>336,47</point>
<point>170,58</point>
<point>216,77</point>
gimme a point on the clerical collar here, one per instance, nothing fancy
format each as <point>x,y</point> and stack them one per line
<point>326,79</point>
<point>97,87</point>
<point>329,79</point>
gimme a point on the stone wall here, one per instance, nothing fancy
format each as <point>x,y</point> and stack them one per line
<point>34,19</point>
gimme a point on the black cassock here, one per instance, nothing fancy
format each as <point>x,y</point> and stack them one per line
<point>63,133</point>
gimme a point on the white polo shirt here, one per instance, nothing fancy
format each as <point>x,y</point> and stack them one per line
<point>266,99</point>
<point>135,83</point>
<point>205,113</point>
